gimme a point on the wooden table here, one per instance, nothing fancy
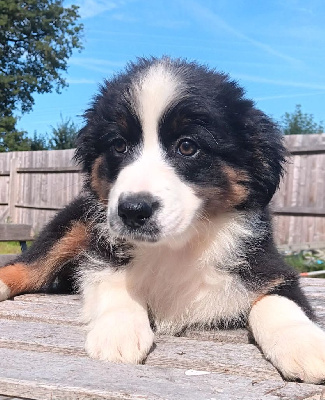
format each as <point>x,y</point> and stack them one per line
<point>42,357</point>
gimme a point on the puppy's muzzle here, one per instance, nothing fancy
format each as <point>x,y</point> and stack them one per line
<point>136,209</point>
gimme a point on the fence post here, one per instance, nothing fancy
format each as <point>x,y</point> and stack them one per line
<point>13,188</point>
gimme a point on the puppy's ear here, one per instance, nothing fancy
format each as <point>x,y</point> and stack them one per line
<point>84,154</point>
<point>268,157</point>
<point>87,141</point>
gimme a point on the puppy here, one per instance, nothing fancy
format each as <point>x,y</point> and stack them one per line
<point>171,230</point>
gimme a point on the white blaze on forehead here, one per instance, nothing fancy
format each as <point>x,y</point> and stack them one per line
<point>153,93</point>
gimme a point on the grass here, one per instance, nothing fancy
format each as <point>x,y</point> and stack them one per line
<point>307,261</point>
<point>11,247</point>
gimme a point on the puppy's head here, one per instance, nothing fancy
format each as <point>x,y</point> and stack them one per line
<point>169,143</point>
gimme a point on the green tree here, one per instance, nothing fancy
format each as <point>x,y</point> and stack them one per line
<point>38,142</point>
<point>10,138</point>
<point>299,123</point>
<point>37,38</point>
<point>64,135</point>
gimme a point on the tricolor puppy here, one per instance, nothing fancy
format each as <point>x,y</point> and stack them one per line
<point>172,229</point>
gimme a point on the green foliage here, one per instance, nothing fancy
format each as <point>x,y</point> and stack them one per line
<point>38,142</point>
<point>299,123</point>
<point>11,247</point>
<point>307,260</point>
<point>10,138</point>
<point>36,39</point>
<point>64,135</point>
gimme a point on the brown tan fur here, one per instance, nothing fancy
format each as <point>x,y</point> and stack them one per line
<point>237,192</point>
<point>17,277</point>
<point>271,286</point>
<point>99,185</point>
<point>22,278</point>
<point>223,199</point>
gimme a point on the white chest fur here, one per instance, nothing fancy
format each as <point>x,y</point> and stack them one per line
<point>192,284</point>
<point>187,284</point>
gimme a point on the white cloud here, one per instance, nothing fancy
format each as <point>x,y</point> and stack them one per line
<point>288,96</point>
<point>279,82</point>
<point>80,81</point>
<point>212,20</point>
<point>91,8</point>
<point>94,61</point>
<point>96,64</point>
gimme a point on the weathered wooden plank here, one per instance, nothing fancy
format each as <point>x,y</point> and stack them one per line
<point>239,359</point>
<point>65,309</point>
<point>302,246</point>
<point>42,337</point>
<point>311,282</point>
<point>13,188</point>
<point>18,232</point>
<point>299,210</point>
<point>5,258</point>
<point>49,299</point>
<point>311,149</point>
<point>43,170</point>
<point>12,398</point>
<point>52,376</point>
<point>42,357</point>
<point>52,312</point>
<point>302,142</point>
<point>38,207</point>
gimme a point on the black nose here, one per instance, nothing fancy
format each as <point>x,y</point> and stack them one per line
<point>135,210</point>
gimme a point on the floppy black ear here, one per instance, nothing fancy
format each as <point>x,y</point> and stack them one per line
<point>268,157</point>
<point>85,151</point>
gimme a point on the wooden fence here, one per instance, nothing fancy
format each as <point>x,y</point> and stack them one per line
<point>34,185</point>
<point>299,205</point>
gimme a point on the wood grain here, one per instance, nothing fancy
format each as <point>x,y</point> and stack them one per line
<point>42,357</point>
<point>73,377</point>
<point>16,232</point>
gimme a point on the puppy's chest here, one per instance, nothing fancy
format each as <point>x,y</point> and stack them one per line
<point>181,289</point>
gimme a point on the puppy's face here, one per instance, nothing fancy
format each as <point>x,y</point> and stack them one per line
<point>169,144</point>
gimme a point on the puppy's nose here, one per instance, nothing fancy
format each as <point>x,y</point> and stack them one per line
<point>136,209</point>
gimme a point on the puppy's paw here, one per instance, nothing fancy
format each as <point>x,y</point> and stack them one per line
<point>298,351</point>
<point>4,291</point>
<point>120,336</point>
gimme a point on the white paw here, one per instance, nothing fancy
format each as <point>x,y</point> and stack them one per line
<point>298,351</point>
<point>120,336</point>
<point>4,291</point>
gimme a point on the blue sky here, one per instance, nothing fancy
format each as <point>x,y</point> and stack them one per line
<point>274,48</point>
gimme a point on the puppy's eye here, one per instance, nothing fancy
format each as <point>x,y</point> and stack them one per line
<point>120,146</point>
<point>186,147</point>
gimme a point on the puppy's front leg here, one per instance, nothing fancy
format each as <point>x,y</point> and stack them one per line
<point>118,323</point>
<point>289,339</point>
